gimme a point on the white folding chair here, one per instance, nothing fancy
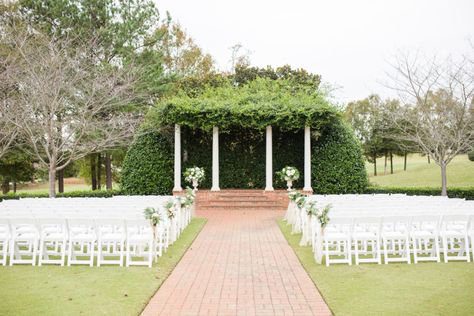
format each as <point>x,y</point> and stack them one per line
<point>337,241</point>
<point>454,235</point>
<point>110,241</point>
<point>424,235</point>
<point>24,241</point>
<point>366,238</point>
<point>53,241</point>
<point>82,237</point>
<point>4,240</point>
<point>139,243</point>
<point>395,239</point>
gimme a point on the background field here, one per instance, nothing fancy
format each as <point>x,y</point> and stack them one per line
<point>420,173</point>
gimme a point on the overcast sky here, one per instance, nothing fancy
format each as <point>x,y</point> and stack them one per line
<point>348,42</point>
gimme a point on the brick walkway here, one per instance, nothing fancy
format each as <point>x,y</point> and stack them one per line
<point>240,264</point>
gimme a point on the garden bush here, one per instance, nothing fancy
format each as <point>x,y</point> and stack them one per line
<point>470,155</point>
<point>104,194</point>
<point>337,162</point>
<point>148,165</point>
<point>462,193</point>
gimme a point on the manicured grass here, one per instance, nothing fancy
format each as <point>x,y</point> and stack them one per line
<point>420,173</point>
<point>394,289</point>
<point>80,290</point>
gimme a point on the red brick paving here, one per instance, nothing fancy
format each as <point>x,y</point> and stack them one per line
<point>240,264</point>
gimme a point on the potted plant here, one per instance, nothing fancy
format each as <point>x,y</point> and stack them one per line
<point>289,174</point>
<point>194,175</point>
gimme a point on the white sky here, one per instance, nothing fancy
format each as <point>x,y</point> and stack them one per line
<point>348,42</point>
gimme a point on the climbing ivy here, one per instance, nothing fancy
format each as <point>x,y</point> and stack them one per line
<point>255,105</point>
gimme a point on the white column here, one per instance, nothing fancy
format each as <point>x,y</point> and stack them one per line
<point>307,159</point>
<point>269,161</point>
<point>177,158</point>
<point>215,159</point>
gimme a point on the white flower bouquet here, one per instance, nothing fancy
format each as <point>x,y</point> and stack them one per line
<point>194,175</point>
<point>289,174</point>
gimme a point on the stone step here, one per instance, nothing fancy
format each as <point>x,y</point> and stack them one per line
<point>240,203</point>
<point>240,208</point>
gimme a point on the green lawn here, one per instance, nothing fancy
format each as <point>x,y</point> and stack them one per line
<point>422,174</point>
<point>394,289</point>
<point>106,290</point>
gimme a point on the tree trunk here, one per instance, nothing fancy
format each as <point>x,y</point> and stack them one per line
<point>391,163</point>
<point>61,181</point>
<point>108,171</point>
<point>429,161</point>
<point>52,181</point>
<point>375,164</point>
<point>385,165</point>
<point>14,186</point>
<point>405,162</point>
<point>99,170</point>
<point>5,186</point>
<point>444,180</point>
<point>93,172</point>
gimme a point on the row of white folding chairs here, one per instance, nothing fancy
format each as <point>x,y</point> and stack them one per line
<point>107,239</point>
<point>397,237</point>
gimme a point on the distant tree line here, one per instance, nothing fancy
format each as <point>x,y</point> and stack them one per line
<point>433,116</point>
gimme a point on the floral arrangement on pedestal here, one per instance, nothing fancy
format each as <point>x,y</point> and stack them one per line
<point>194,175</point>
<point>289,174</point>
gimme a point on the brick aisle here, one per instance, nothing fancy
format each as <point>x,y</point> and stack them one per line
<point>240,264</point>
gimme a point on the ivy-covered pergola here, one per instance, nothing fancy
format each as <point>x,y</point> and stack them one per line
<point>261,105</point>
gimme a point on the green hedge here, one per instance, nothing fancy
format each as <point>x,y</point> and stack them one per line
<point>338,165</point>
<point>463,193</point>
<point>470,155</point>
<point>148,165</point>
<point>337,162</point>
<point>105,194</point>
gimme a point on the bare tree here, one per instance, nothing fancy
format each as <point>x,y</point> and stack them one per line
<point>8,131</point>
<point>70,106</point>
<point>438,112</point>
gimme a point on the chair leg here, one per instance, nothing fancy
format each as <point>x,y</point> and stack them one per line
<point>446,249</point>
<point>349,251</point>
<point>127,255</point>
<point>91,264</point>
<point>63,251</point>
<point>356,249</point>
<point>69,253</point>
<point>415,251</point>
<point>407,250</point>
<point>99,253</point>
<point>41,253</point>
<point>12,252</point>
<point>438,256</point>
<point>326,250</point>
<point>466,245</point>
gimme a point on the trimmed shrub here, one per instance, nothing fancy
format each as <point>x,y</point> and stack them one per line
<point>462,193</point>
<point>148,165</point>
<point>104,194</point>
<point>337,162</point>
<point>470,155</point>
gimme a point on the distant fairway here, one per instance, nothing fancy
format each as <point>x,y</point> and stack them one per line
<point>421,174</point>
